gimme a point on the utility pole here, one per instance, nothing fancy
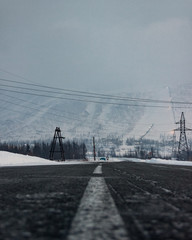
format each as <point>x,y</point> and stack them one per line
<point>94,153</point>
<point>140,147</point>
<point>174,148</point>
<point>56,136</point>
<point>183,150</point>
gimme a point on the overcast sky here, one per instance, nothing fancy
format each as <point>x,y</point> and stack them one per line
<point>97,45</point>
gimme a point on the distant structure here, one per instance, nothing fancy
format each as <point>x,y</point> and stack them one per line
<point>94,152</point>
<point>183,149</point>
<point>57,135</point>
<point>172,104</point>
<point>140,143</point>
<point>174,146</point>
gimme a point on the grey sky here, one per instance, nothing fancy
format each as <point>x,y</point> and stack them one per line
<point>97,45</point>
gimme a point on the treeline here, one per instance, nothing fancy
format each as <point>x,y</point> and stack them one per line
<point>72,149</point>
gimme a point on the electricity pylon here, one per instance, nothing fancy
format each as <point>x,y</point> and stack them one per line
<point>56,136</point>
<point>183,150</point>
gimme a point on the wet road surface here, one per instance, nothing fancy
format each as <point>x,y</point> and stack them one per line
<point>121,200</point>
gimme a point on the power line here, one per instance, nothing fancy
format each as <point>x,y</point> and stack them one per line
<point>24,100</point>
<point>75,94</point>
<point>48,113</point>
<point>104,124</point>
<point>28,107</point>
<point>88,94</point>
<point>13,74</point>
<point>37,110</point>
<point>83,100</point>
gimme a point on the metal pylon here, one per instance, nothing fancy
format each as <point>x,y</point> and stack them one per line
<point>183,150</point>
<point>57,135</point>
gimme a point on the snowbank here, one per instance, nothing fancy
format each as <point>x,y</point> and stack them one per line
<point>159,161</point>
<point>13,159</point>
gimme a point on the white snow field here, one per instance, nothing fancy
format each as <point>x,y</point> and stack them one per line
<point>13,159</point>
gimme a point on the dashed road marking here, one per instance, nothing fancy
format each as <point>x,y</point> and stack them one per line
<point>97,216</point>
<point>98,170</point>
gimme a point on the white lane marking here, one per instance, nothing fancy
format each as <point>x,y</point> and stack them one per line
<point>98,170</point>
<point>186,169</point>
<point>97,216</point>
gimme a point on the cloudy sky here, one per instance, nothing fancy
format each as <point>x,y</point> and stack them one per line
<point>97,45</point>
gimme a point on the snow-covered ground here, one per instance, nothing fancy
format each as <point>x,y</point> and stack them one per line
<point>160,161</point>
<point>13,159</point>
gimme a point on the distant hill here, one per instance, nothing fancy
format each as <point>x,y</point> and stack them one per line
<point>25,117</point>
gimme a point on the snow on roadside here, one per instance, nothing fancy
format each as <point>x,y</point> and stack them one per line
<point>159,161</point>
<point>14,159</point>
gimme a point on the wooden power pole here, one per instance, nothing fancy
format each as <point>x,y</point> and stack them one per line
<point>94,153</point>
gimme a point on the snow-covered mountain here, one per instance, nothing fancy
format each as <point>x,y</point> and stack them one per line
<point>25,117</point>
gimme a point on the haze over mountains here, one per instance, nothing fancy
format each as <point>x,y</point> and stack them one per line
<point>130,49</point>
<point>25,117</point>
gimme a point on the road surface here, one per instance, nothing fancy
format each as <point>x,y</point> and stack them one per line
<point>122,200</point>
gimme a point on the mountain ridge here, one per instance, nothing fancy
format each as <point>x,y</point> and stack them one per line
<point>30,118</point>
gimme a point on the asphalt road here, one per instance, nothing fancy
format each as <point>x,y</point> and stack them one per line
<point>122,200</point>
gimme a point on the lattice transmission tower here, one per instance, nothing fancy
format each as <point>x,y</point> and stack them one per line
<point>57,135</point>
<point>183,149</point>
